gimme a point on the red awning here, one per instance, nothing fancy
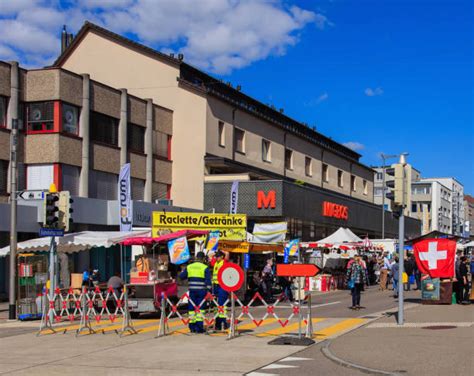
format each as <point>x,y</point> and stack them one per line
<point>148,240</point>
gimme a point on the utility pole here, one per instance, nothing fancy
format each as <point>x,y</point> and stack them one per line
<point>384,158</point>
<point>13,219</point>
<point>401,242</point>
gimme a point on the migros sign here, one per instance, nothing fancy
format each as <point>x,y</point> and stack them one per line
<point>266,200</point>
<point>330,209</point>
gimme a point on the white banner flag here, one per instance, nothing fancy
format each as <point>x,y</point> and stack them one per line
<point>125,199</point>
<point>234,197</point>
<point>269,232</point>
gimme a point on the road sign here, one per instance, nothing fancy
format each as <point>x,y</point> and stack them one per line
<point>230,277</point>
<point>51,232</point>
<point>296,270</point>
<point>31,195</point>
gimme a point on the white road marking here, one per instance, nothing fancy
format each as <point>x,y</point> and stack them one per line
<point>294,359</point>
<point>261,374</point>
<point>419,324</point>
<point>277,366</point>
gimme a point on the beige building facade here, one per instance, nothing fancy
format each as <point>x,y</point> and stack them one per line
<point>78,132</point>
<point>216,128</point>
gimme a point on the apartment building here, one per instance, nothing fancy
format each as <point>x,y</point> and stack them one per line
<point>219,132</point>
<point>432,205</point>
<point>468,215</point>
<point>413,175</point>
<point>457,203</point>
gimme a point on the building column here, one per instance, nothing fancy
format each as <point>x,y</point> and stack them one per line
<point>84,133</point>
<point>13,104</point>
<point>149,151</point>
<point>123,127</point>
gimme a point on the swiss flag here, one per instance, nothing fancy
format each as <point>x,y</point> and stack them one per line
<point>435,257</point>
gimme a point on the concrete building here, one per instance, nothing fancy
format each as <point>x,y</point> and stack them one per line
<point>413,176</point>
<point>468,216</point>
<point>218,131</point>
<point>432,205</point>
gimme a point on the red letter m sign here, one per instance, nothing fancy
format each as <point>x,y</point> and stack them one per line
<point>266,201</point>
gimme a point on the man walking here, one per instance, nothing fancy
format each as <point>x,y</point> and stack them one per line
<point>199,283</point>
<point>384,270</point>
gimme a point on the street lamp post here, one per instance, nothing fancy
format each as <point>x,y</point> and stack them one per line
<point>384,158</point>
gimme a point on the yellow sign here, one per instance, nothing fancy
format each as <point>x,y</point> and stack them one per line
<point>234,246</point>
<point>230,226</point>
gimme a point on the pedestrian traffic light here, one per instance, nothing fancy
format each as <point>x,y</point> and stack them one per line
<point>51,210</point>
<point>65,210</point>
<point>396,185</point>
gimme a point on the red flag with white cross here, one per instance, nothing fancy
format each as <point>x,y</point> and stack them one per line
<point>435,257</point>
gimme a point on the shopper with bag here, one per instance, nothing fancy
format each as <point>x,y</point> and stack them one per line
<point>355,279</point>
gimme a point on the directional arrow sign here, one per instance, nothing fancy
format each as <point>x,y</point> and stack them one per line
<point>31,195</point>
<point>296,270</point>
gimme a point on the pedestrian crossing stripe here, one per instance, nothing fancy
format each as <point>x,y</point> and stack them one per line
<point>286,329</point>
<point>337,328</point>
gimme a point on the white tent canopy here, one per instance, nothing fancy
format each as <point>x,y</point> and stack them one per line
<point>342,235</point>
<point>75,242</point>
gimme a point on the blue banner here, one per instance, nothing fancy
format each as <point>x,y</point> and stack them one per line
<point>246,261</point>
<point>179,251</point>
<point>286,255</point>
<point>212,241</point>
<point>125,199</point>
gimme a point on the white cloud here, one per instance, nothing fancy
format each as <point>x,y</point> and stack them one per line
<point>315,101</point>
<point>373,92</point>
<point>217,35</point>
<point>354,145</point>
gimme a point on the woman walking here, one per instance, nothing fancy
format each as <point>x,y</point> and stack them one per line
<point>356,278</point>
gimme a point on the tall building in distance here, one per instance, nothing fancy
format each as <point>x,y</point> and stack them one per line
<point>468,215</point>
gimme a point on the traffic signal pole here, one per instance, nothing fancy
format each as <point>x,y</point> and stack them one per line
<point>13,220</point>
<point>401,253</point>
<point>52,272</point>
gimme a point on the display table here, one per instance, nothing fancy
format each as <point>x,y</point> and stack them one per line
<point>445,294</point>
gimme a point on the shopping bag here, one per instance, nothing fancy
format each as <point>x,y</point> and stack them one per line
<point>411,280</point>
<point>405,278</point>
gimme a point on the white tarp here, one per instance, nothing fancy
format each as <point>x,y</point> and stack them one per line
<point>342,235</point>
<point>75,242</point>
<point>268,232</point>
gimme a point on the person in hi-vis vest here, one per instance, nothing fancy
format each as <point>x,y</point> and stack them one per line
<point>218,262</point>
<point>199,283</point>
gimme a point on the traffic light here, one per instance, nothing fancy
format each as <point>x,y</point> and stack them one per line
<point>65,210</point>
<point>51,210</point>
<point>397,190</point>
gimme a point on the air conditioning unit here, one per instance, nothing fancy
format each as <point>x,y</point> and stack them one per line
<point>70,119</point>
<point>41,116</point>
<point>164,202</point>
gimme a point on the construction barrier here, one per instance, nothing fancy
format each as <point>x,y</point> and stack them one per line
<point>90,305</point>
<point>210,310</point>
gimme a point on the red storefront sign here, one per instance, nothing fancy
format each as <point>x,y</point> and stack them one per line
<point>330,209</point>
<point>266,200</point>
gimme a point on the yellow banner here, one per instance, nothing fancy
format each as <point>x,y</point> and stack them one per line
<point>230,226</point>
<point>234,246</point>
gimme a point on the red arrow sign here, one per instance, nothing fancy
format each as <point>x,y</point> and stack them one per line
<point>296,270</point>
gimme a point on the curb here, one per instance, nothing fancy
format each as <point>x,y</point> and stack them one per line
<point>325,348</point>
<point>344,363</point>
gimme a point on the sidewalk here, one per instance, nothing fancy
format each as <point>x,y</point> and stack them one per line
<point>436,340</point>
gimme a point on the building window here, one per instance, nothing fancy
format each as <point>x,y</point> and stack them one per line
<point>138,189</point>
<point>325,173</point>
<point>3,176</point>
<point>378,191</point>
<point>266,151</point>
<point>136,138</point>
<point>103,129</point>
<point>289,159</point>
<point>413,208</point>
<point>39,176</point>
<point>161,144</point>
<point>160,191</point>
<point>70,179</point>
<point>221,134</point>
<point>102,185</point>
<point>70,118</point>
<point>308,166</point>
<point>365,186</point>
<point>41,117</point>
<point>353,183</point>
<point>240,141</point>
<point>3,111</point>
<point>379,176</point>
<point>340,179</point>
<point>428,208</point>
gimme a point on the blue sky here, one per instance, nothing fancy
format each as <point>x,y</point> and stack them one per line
<point>383,75</point>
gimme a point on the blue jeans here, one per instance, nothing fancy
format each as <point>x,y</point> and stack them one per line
<point>395,286</point>
<point>222,296</point>
<point>196,324</point>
